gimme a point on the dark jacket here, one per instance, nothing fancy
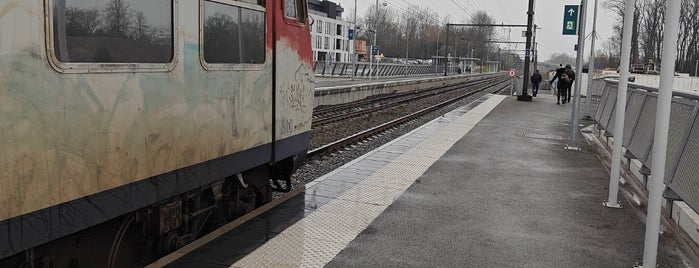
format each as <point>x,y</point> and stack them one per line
<point>561,84</point>
<point>571,74</point>
<point>536,78</point>
<point>559,72</point>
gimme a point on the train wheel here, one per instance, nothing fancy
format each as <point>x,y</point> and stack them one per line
<point>128,245</point>
<point>169,243</point>
<point>241,202</point>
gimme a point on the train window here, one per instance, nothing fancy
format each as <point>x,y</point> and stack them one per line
<point>233,34</point>
<point>290,8</point>
<point>253,36</point>
<point>295,9</point>
<point>113,31</point>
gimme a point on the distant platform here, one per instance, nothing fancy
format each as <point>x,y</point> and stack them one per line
<point>324,82</point>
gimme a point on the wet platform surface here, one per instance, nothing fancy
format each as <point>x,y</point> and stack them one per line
<point>509,195</point>
<point>487,185</point>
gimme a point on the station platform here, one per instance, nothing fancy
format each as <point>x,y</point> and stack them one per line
<point>487,185</point>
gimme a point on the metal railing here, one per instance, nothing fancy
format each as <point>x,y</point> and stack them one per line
<point>682,163</point>
<point>363,69</point>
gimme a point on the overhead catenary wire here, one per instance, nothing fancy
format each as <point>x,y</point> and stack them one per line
<point>507,16</point>
<point>462,8</point>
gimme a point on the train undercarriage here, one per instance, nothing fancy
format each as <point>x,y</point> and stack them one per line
<point>146,234</point>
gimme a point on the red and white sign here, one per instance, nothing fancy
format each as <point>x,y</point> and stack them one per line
<point>512,72</point>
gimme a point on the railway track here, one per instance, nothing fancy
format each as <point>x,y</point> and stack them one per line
<point>336,113</point>
<point>366,117</point>
<point>349,140</point>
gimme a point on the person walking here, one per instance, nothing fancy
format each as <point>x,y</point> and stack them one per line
<point>563,83</point>
<point>571,76</point>
<point>535,79</point>
<point>559,71</point>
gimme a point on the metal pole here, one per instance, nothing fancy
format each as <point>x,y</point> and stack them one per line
<point>376,30</point>
<point>696,68</point>
<point>354,49</point>
<point>581,51</point>
<point>591,66</point>
<point>446,52</point>
<point>527,57</point>
<point>621,105</point>
<point>533,52</point>
<point>436,60</point>
<point>406,50</point>
<point>371,56</point>
<point>662,126</point>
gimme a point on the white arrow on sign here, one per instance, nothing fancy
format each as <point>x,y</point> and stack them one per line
<point>571,11</point>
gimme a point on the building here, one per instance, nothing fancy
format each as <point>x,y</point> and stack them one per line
<point>329,33</point>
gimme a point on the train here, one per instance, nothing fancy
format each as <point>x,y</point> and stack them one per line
<point>129,128</point>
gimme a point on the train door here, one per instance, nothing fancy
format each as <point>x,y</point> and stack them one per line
<point>293,97</point>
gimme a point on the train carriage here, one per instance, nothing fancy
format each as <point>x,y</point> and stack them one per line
<point>150,121</point>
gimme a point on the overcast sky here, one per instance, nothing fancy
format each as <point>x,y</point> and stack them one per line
<point>548,15</point>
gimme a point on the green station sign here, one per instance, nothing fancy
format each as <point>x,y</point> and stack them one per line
<point>570,20</point>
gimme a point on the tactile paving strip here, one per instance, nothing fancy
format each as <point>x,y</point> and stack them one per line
<point>317,238</point>
<point>371,194</point>
<point>391,183</point>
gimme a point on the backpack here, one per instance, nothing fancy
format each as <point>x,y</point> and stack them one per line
<point>570,74</point>
<point>565,78</point>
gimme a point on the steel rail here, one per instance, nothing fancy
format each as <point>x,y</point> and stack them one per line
<point>398,101</point>
<point>344,142</point>
<point>319,111</point>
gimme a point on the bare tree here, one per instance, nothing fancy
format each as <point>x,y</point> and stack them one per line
<point>648,30</point>
<point>117,16</point>
<point>481,35</point>
<point>618,7</point>
<point>81,22</point>
<point>426,32</point>
<point>688,45</point>
<point>613,51</point>
<point>221,39</point>
<point>652,29</point>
